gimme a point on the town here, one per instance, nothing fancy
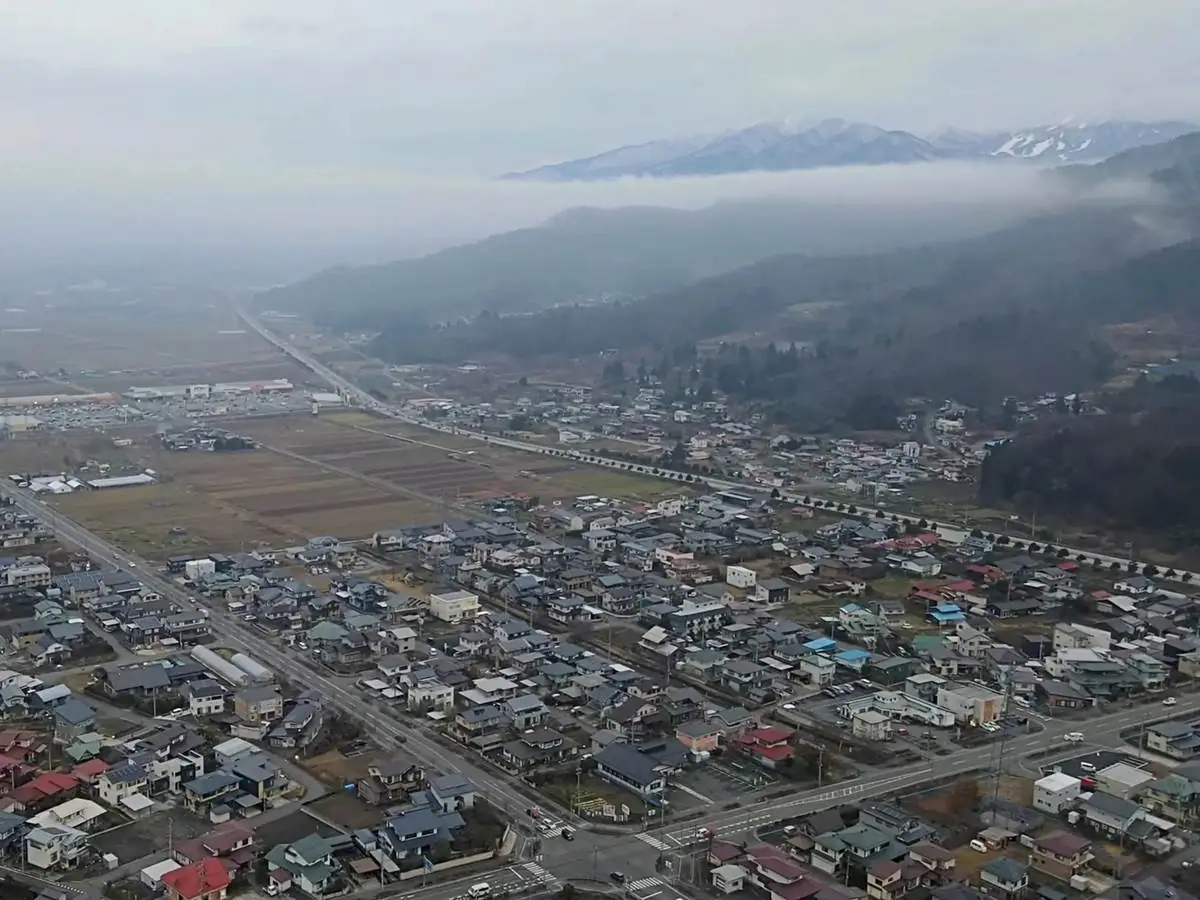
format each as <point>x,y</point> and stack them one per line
<point>489,664</point>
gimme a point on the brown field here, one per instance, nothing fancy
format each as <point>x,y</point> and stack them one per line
<point>323,475</point>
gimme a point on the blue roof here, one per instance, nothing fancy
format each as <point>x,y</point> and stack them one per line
<point>955,616</point>
<point>853,655</point>
<point>947,608</point>
<point>852,608</point>
<point>819,644</point>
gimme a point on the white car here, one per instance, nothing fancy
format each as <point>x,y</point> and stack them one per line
<point>1170,701</point>
<point>1074,737</point>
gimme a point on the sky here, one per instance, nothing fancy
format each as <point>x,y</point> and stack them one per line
<point>128,114</point>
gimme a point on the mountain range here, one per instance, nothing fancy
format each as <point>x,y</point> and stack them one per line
<point>789,146</point>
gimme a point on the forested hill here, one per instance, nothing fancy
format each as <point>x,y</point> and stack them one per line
<point>1136,469</point>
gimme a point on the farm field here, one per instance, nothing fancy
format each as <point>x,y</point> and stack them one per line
<point>330,474</point>
<point>447,467</point>
<point>117,342</point>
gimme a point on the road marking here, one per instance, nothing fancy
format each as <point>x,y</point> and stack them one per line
<point>644,883</point>
<point>687,790</point>
<point>537,871</point>
<point>652,841</point>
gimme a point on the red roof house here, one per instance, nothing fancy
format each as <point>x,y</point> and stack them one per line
<point>769,747</point>
<point>203,880</point>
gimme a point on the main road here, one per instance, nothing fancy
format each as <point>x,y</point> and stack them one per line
<point>351,390</point>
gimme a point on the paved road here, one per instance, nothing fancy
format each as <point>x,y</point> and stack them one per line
<point>353,391</point>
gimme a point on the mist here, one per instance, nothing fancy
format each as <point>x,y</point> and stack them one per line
<point>234,227</point>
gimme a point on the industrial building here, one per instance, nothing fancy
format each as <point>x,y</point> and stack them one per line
<point>119,481</point>
<point>208,391</point>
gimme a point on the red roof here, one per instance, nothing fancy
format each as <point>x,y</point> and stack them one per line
<point>766,736</point>
<point>197,880</point>
<point>48,784</point>
<point>775,752</point>
<point>1068,565</point>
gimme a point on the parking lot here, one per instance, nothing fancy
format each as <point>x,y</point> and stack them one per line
<point>719,781</point>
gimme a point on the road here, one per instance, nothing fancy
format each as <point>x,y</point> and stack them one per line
<point>365,400</point>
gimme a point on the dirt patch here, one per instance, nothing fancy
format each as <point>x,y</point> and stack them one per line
<point>291,828</point>
<point>347,810</point>
<point>333,768</point>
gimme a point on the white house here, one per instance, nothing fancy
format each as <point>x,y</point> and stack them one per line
<point>740,577</point>
<point>120,781</point>
<point>454,607</point>
<point>1055,792</point>
<point>54,847</point>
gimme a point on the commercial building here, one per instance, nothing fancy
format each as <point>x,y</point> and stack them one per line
<point>971,703</point>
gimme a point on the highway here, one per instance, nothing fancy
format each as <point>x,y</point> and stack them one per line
<point>351,390</point>
<point>592,854</point>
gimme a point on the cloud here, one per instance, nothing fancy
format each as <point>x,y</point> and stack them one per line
<point>367,127</point>
<point>476,86</point>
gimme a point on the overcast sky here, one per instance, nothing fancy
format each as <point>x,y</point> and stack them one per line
<point>115,100</point>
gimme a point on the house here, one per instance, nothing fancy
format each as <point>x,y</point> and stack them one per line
<point>1111,815</point>
<point>71,719</point>
<point>207,879</point>
<point>200,794</point>
<point>1060,855</point>
<point>55,847</point>
<point>769,747</point>
<point>453,792</point>
<point>205,697</point>
<point>629,768</point>
<point>699,736</point>
<point>1176,740</point>
<point>121,781</point>
<point>231,842</point>
<point>1005,879</point>
<point>391,781</point>
<point>1176,795</point>
<point>834,852</point>
<point>525,711</point>
<point>414,831</point>
<point>1056,792</point>
<point>258,704</point>
<point>306,864</point>
<point>454,607</point>
<point>536,747</point>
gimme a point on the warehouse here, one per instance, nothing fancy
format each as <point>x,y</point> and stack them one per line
<point>326,399</point>
<point>120,481</point>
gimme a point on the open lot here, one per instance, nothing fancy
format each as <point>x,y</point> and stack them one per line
<point>151,834</point>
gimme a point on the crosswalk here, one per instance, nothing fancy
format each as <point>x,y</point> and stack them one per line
<point>654,842</point>
<point>644,884</point>
<point>538,872</point>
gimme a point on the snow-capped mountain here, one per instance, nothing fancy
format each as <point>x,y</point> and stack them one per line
<point>1066,142</point>
<point>787,146</point>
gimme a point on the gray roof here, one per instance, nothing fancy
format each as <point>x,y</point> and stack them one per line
<point>629,763</point>
<point>451,786</point>
<point>1117,807</point>
<point>74,711</point>
<point>126,773</point>
<point>128,678</point>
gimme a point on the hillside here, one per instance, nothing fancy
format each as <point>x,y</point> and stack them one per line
<point>589,254</point>
<point>1134,471</point>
